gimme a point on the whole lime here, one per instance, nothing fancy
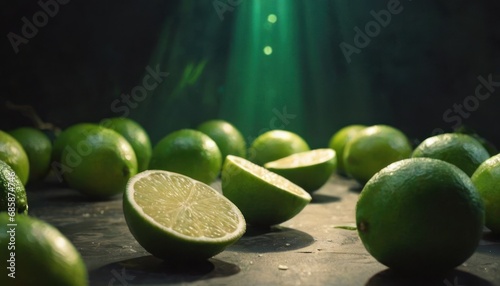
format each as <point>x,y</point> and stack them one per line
<point>62,140</point>
<point>13,153</point>
<point>372,149</point>
<point>97,161</point>
<point>487,181</point>
<point>274,145</point>
<point>38,255</point>
<point>38,148</point>
<point>188,152</point>
<point>135,135</point>
<point>228,138</point>
<point>339,140</point>
<point>460,150</point>
<point>421,216</point>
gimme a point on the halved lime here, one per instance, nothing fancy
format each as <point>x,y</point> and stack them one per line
<point>310,170</point>
<point>175,217</point>
<point>264,198</point>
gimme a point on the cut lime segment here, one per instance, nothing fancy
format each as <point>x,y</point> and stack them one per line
<point>174,216</point>
<point>310,170</point>
<point>264,198</point>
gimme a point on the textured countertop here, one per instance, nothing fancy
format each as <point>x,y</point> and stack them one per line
<point>307,250</point>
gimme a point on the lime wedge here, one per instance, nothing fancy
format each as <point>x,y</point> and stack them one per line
<point>310,170</point>
<point>175,217</point>
<point>263,197</point>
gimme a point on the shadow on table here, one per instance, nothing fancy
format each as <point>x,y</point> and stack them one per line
<point>323,198</point>
<point>490,244</point>
<point>151,270</point>
<point>273,239</point>
<point>64,196</point>
<point>356,188</point>
<point>491,237</point>
<point>454,278</point>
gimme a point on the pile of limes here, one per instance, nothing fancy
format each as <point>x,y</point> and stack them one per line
<point>429,203</point>
<point>421,211</point>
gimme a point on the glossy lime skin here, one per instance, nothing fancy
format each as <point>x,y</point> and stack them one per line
<point>421,216</point>
<point>43,256</point>
<point>188,152</point>
<point>461,150</point>
<point>38,148</point>
<point>487,181</point>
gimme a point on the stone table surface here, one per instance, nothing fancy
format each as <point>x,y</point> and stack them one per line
<point>309,249</point>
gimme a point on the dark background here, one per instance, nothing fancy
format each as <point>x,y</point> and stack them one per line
<point>427,60</point>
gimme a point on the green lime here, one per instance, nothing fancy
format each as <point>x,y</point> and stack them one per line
<point>97,161</point>
<point>460,150</point>
<point>487,181</point>
<point>310,169</point>
<point>263,197</point>
<point>63,139</point>
<point>36,253</point>
<point>274,145</point>
<point>228,138</point>
<point>175,217</point>
<point>38,148</point>
<point>372,149</point>
<point>135,135</point>
<point>188,152</point>
<point>13,153</point>
<point>339,140</point>
<point>12,193</point>
<point>421,216</point>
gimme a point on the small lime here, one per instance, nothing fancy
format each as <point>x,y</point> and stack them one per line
<point>13,153</point>
<point>460,150</point>
<point>38,148</point>
<point>63,139</point>
<point>274,145</point>
<point>135,135</point>
<point>97,161</point>
<point>372,149</point>
<point>339,140</point>
<point>228,138</point>
<point>188,152</point>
